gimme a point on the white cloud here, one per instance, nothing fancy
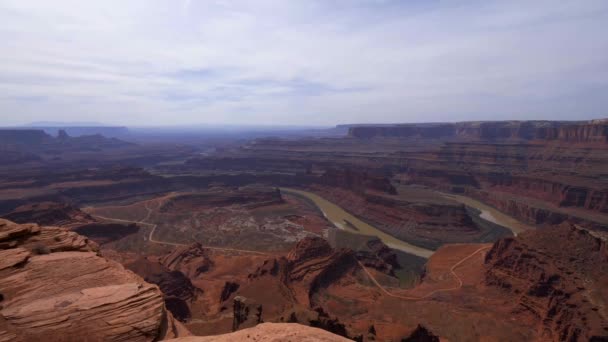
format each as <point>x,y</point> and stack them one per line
<point>147,62</point>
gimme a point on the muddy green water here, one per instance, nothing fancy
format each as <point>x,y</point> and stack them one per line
<point>490,214</point>
<point>342,220</point>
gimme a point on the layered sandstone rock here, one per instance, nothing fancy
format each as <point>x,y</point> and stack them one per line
<point>379,256</point>
<point>297,281</point>
<point>585,132</point>
<point>313,265</point>
<point>272,332</point>
<point>559,277</point>
<point>177,288</point>
<point>55,287</point>
<point>191,260</point>
<point>178,292</point>
<point>357,181</point>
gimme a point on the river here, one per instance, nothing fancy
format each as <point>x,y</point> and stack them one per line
<point>342,219</point>
<point>490,214</point>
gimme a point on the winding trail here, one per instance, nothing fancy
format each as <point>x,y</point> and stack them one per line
<point>458,279</point>
<point>152,240</point>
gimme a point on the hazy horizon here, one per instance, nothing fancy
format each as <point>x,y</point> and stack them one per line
<point>301,63</point>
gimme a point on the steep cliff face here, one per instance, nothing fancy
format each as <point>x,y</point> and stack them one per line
<point>575,132</point>
<point>298,281</point>
<point>592,132</point>
<point>311,266</point>
<point>174,273</point>
<point>48,214</point>
<point>55,287</point>
<point>177,290</point>
<point>430,131</point>
<point>560,279</point>
<point>537,183</point>
<point>191,260</point>
<point>358,181</point>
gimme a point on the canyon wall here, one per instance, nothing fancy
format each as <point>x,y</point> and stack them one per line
<point>541,172</point>
<point>23,137</point>
<point>559,277</point>
<point>577,132</point>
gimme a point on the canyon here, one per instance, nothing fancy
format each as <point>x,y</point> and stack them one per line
<point>456,231</point>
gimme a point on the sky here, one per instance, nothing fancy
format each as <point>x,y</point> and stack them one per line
<point>309,62</point>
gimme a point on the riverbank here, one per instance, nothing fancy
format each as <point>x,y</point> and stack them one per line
<point>343,220</point>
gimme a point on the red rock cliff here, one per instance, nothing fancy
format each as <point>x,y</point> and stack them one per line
<point>559,277</point>
<point>55,287</point>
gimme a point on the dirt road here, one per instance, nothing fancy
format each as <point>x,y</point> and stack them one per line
<point>457,287</point>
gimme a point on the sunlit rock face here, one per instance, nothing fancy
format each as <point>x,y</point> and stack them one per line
<point>54,285</point>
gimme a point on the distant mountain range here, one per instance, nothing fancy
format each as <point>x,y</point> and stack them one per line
<point>65,124</point>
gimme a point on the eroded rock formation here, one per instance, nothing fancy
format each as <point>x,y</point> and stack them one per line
<point>191,260</point>
<point>357,181</point>
<point>48,214</point>
<point>55,288</point>
<point>272,332</point>
<point>559,277</point>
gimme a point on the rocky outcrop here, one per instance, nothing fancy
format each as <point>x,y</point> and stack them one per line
<point>55,287</point>
<point>175,273</point>
<point>42,240</point>
<point>191,260</point>
<point>177,290</point>
<point>559,277</point>
<point>308,249</point>
<point>106,131</point>
<point>272,332</point>
<point>229,288</point>
<point>379,256</point>
<point>39,141</point>
<point>310,267</point>
<point>48,214</point>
